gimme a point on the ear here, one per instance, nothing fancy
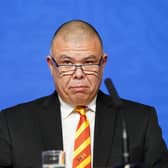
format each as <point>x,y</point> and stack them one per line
<point>50,64</point>
<point>104,59</point>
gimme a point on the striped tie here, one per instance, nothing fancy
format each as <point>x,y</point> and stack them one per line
<point>82,147</point>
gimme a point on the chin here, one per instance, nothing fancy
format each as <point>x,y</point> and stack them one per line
<point>80,101</point>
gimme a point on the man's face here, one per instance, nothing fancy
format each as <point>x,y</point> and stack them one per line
<point>78,88</point>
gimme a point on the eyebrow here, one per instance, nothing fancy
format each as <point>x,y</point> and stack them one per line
<point>91,57</point>
<point>86,58</point>
<point>65,56</point>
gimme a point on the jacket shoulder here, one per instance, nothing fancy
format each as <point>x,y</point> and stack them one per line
<point>129,106</point>
<point>123,102</point>
<point>30,107</point>
<point>26,104</point>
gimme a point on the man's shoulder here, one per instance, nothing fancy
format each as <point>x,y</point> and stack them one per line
<point>28,106</point>
<point>130,106</point>
<point>136,104</point>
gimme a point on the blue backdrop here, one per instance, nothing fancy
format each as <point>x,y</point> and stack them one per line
<point>135,35</point>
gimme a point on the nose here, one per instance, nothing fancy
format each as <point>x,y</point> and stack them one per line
<point>78,73</point>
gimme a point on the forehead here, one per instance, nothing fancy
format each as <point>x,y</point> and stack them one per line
<point>73,48</point>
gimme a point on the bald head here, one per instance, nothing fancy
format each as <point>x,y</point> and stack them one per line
<point>76,31</point>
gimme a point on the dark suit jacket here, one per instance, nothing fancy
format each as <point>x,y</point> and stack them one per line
<point>30,128</point>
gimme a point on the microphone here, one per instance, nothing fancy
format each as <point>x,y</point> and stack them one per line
<point>118,103</point>
<point>113,92</point>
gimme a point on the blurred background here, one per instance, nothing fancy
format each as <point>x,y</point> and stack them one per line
<point>135,35</point>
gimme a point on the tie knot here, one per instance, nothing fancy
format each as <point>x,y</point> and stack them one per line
<point>81,109</point>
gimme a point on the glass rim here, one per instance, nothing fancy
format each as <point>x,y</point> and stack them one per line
<point>52,151</point>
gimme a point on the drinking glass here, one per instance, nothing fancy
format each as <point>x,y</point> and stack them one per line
<point>53,159</point>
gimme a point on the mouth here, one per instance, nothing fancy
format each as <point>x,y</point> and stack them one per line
<point>79,88</point>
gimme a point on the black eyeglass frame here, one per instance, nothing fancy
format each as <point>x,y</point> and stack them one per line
<point>76,65</point>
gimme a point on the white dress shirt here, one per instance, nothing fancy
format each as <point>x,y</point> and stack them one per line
<point>70,121</point>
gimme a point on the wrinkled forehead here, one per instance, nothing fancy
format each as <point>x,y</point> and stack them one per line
<point>83,46</point>
<point>76,37</point>
<point>77,28</point>
<point>75,33</point>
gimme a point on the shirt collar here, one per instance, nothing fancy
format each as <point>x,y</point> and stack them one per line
<point>67,109</point>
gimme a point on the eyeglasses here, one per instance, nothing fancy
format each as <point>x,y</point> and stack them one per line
<point>69,69</point>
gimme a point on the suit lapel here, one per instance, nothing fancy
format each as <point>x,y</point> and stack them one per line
<point>104,129</point>
<point>50,124</point>
<point>51,129</point>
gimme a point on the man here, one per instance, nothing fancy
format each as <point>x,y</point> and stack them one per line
<point>76,62</point>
